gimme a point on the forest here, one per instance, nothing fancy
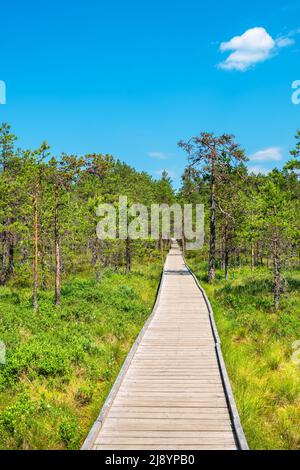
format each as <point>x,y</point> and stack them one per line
<point>71,305</point>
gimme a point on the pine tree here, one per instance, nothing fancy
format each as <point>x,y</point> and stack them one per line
<point>62,174</point>
<point>212,156</point>
<point>7,168</point>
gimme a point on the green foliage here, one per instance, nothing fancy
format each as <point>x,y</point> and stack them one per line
<point>16,417</point>
<point>62,362</point>
<point>69,434</point>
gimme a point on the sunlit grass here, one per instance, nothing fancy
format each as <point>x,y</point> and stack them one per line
<point>257,348</point>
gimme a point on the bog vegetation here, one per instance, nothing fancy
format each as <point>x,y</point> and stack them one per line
<point>71,304</point>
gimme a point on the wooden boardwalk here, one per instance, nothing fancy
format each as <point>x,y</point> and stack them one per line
<point>173,391</point>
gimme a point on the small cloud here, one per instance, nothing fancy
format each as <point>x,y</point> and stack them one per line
<point>258,170</point>
<point>267,155</point>
<point>285,42</point>
<point>253,46</point>
<point>158,155</point>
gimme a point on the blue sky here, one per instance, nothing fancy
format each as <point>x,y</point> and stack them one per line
<point>131,78</point>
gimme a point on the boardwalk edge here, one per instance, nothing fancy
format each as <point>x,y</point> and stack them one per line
<point>239,432</point>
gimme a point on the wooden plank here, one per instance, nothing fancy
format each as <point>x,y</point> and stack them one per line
<point>179,403</point>
<point>169,425</point>
<point>136,440</point>
<point>173,413</point>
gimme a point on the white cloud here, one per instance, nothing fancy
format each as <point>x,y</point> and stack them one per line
<point>253,46</point>
<point>267,155</point>
<point>252,39</point>
<point>159,155</point>
<point>258,170</point>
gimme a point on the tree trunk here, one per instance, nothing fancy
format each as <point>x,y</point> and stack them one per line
<point>276,274</point>
<point>42,238</point>
<point>222,254</point>
<point>161,247</point>
<point>226,250</point>
<point>116,261</point>
<point>226,263</point>
<point>212,241</point>
<point>11,253</point>
<point>94,247</point>
<point>43,265</point>
<point>35,254</point>
<point>100,260</point>
<point>128,255</point>
<point>57,249</point>
<point>4,259</point>
<point>239,258</point>
<point>252,258</point>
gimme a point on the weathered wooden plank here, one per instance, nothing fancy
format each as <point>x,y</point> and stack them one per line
<point>168,425</point>
<point>173,413</point>
<point>171,402</point>
<point>204,440</point>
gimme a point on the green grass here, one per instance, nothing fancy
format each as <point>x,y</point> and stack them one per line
<point>62,361</point>
<point>257,348</point>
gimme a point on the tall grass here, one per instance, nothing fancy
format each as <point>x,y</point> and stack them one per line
<point>257,347</point>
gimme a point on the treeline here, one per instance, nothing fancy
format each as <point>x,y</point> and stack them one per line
<point>48,213</point>
<point>251,219</point>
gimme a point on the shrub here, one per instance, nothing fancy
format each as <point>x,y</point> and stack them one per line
<point>83,395</point>
<point>69,434</point>
<point>18,418</point>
